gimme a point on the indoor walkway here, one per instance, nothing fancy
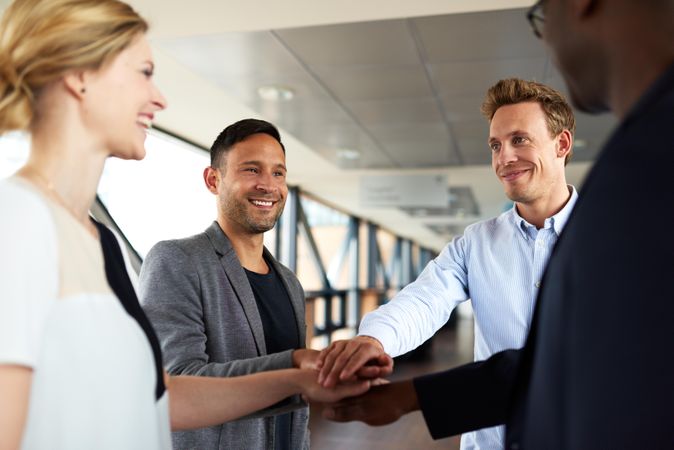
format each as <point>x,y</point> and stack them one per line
<point>449,348</point>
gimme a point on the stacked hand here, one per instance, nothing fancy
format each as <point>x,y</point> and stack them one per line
<point>346,368</point>
<point>312,391</point>
<point>362,357</point>
<point>307,361</point>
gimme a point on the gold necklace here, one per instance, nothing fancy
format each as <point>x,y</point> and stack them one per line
<point>32,174</point>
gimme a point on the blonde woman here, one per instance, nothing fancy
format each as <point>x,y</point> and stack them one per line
<point>80,366</point>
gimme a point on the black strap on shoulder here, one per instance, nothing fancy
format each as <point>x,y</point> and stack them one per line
<point>118,278</point>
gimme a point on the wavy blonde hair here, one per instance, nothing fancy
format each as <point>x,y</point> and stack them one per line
<point>558,114</point>
<point>41,40</point>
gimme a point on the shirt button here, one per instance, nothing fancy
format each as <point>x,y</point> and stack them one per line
<point>538,284</point>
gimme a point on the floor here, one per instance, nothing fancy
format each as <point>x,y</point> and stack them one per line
<point>449,348</point>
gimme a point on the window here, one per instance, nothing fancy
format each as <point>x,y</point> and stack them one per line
<point>161,197</point>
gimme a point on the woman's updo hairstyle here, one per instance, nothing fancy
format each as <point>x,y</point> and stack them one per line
<point>41,40</point>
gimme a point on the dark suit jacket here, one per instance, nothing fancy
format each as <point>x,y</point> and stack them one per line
<point>597,370</point>
<point>199,300</point>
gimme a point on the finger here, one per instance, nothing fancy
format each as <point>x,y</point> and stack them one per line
<point>351,379</point>
<point>365,353</point>
<point>369,372</point>
<point>379,382</point>
<point>353,389</point>
<point>385,359</point>
<point>333,377</point>
<point>385,363</point>
<point>342,391</point>
<point>323,353</point>
<point>331,355</point>
<point>382,360</point>
<point>333,358</point>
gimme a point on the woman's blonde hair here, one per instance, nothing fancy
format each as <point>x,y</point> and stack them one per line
<point>41,40</point>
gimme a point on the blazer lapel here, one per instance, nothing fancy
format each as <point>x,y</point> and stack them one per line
<point>239,282</point>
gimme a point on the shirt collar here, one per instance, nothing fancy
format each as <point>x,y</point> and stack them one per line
<point>557,221</point>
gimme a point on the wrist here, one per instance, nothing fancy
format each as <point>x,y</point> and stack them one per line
<point>299,380</point>
<point>296,358</point>
<point>411,401</point>
<point>370,339</point>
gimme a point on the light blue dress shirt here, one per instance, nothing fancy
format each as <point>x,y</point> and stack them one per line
<point>498,264</point>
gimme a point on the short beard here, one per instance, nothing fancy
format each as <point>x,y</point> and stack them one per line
<point>236,212</point>
<point>258,227</point>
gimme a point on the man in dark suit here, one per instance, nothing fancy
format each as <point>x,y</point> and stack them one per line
<point>219,301</point>
<point>597,369</point>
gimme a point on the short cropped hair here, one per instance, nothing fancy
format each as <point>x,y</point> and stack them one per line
<point>558,113</point>
<point>238,132</point>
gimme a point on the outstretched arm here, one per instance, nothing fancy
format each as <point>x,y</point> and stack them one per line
<point>197,402</point>
<point>466,398</point>
<point>14,391</point>
<point>402,324</point>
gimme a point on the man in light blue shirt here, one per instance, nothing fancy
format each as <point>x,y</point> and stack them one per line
<point>497,263</point>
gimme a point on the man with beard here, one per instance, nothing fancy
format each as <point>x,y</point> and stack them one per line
<point>596,371</point>
<point>219,301</point>
<point>497,263</point>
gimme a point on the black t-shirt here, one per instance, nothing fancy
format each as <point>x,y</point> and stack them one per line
<point>280,331</point>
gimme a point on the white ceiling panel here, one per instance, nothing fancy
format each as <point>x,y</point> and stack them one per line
<point>413,153</point>
<point>333,141</point>
<point>303,111</point>
<point>474,151</point>
<point>475,77</point>
<point>232,54</point>
<point>395,111</point>
<point>404,132</point>
<point>304,88</point>
<point>475,128</point>
<point>377,82</point>
<point>463,107</point>
<point>385,43</point>
<point>484,35</point>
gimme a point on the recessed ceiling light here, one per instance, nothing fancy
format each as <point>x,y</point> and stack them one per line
<point>347,153</point>
<point>275,93</point>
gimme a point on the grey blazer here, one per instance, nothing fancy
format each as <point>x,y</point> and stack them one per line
<point>199,300</point>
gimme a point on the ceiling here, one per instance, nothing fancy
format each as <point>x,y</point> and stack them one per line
<point>389,94</point>
<point>379,87</point>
